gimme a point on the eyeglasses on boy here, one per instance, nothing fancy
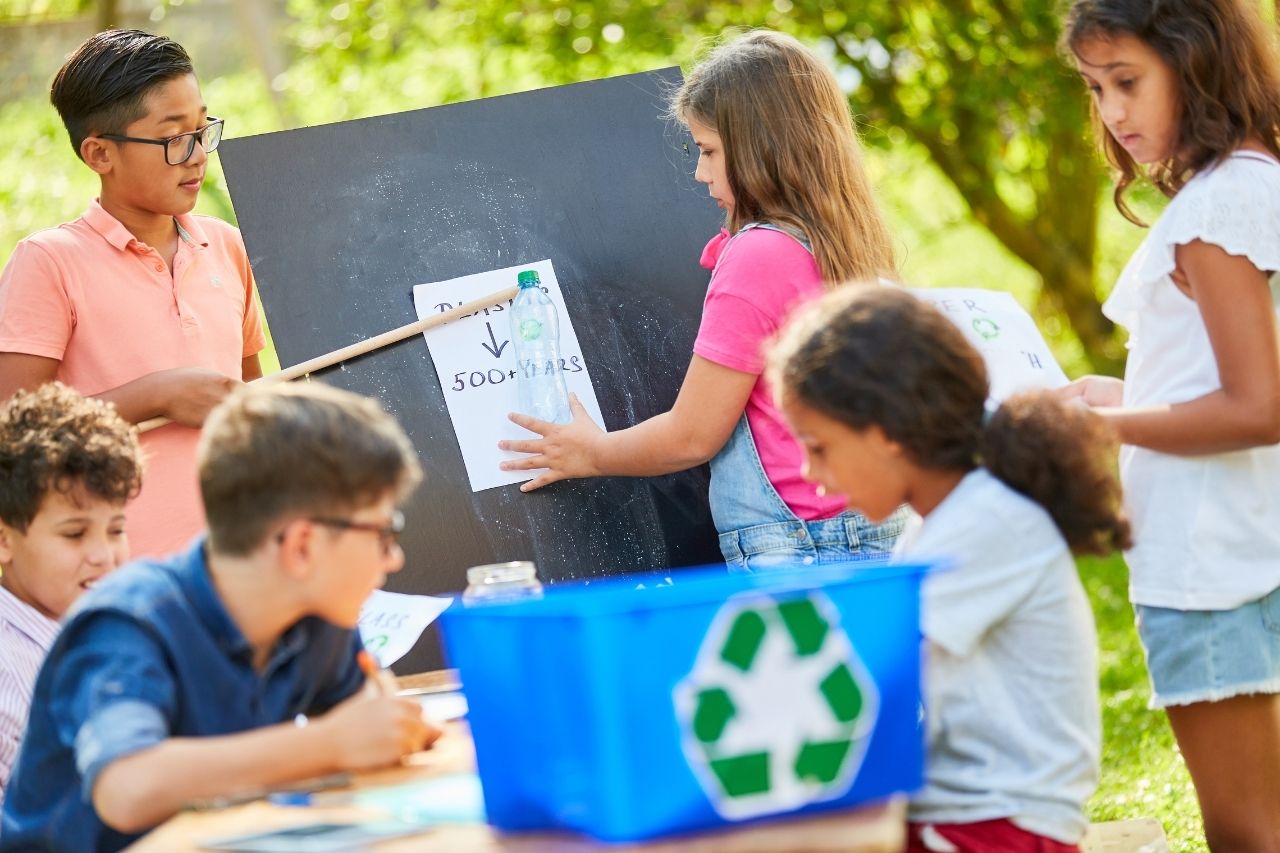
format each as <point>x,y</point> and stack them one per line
<point>179,147</point>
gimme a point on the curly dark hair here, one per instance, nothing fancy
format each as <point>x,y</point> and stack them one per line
<point>54,439</point>
<point>1228,71</point>
<point>870,355</point>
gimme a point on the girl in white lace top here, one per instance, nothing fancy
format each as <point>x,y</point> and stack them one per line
<point>1187,94</point>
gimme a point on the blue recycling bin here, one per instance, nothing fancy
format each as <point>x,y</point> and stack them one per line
<point>628,710</point>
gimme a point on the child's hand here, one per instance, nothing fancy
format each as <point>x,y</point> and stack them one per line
<point>374,732</point>
<point>565,450</point>
<point>189,393</point>
<point>1094,391</point>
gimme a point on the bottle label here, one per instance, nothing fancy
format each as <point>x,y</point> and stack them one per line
<point>530,330</point>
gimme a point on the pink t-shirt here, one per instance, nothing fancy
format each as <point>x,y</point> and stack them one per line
<point>104,305</point>
<point>758,280</point>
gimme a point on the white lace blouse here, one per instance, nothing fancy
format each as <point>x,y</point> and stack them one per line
<point>1206,528</point>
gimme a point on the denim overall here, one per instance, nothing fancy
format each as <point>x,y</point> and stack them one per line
<point>759,531</point>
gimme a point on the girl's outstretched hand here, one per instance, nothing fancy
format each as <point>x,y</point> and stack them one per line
<point>1094,392</point>
<point>565,450</point>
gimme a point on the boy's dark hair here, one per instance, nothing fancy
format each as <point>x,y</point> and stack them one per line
<point>1228,70</point>
<point>101,87</point>
<point>55,439</point>
<point>272,453</point>
<point>867,355</point>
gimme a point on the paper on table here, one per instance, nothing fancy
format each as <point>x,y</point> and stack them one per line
<point>476,364</point>
<point>1017,357</point>
<point>391,622</point>
<point>455,799</point>
<point>316,837</point>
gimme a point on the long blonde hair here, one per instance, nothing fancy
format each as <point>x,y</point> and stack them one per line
<point>792,155</point>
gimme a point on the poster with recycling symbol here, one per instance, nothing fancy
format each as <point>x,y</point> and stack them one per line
<point>778,708</point>
<point>1017,356</point>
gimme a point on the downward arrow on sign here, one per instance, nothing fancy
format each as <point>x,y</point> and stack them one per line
<point>496,349</point>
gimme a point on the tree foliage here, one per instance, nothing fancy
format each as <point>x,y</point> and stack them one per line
<point>977,83</point>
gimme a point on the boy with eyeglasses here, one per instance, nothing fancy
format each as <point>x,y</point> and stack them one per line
<point>232,666</point>
<point>137,302</point>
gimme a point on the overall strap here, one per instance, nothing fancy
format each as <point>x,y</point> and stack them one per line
<point>793,233</point>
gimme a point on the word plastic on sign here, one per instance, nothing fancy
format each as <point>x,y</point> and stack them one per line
<point>476,365</point>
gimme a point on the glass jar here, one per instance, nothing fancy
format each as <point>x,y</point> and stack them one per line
<point>496,582</point>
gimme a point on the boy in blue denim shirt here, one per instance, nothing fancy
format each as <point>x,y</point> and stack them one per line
<point>196,676</point>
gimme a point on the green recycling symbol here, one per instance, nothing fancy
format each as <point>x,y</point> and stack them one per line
<point>778,708</point>
<point>987,328</point>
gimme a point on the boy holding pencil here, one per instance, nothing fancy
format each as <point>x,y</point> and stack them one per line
<point>236,665</point>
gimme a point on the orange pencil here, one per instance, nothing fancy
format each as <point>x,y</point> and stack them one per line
<point>381,680</point>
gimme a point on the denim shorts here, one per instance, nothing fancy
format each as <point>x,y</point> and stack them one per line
<point>1210,655</point>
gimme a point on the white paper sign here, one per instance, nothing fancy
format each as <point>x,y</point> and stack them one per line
<point>391,623</point>
<point>476,363</point>
<point>1017,357</point>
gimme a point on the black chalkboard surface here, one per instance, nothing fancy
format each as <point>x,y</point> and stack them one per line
<point>342,220</point>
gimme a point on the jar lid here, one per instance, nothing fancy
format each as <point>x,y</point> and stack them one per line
<point>515,570</point>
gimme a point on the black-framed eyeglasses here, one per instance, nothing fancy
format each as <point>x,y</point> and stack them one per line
<point>388,536</point>
<point>179,147</point>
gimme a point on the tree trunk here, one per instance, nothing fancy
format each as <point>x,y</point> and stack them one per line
<point>1058,242</point>
<point>1064,251</point>
<point>257,25</point>
<point>1058,237</point>
<point>108,15</point>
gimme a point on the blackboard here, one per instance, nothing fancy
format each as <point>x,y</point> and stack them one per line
<point>341,221</point>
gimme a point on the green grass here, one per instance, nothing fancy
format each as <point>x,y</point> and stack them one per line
<point>1142,771</point>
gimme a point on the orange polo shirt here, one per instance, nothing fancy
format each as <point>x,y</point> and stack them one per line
<point>90,295</point>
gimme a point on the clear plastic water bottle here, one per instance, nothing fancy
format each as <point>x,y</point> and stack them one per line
<point>535,332</point>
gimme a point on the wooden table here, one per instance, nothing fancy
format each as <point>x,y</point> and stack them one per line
<point>873,829</point>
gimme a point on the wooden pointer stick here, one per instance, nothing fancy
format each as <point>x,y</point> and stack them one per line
<point>369,344</point>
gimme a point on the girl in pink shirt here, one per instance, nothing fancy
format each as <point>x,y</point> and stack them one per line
<point>778,152</point>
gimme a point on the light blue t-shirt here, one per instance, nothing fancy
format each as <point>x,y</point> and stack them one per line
<point>1011,666</point>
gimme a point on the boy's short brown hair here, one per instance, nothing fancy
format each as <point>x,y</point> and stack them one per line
<point>271,452</point>
<point>55,439</point>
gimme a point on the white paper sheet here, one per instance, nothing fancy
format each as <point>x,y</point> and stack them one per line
<point>391,622</point>
<point>475,361</point>
<point>1018,359</point>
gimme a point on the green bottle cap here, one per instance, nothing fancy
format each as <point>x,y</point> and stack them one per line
<point>528,278</point>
